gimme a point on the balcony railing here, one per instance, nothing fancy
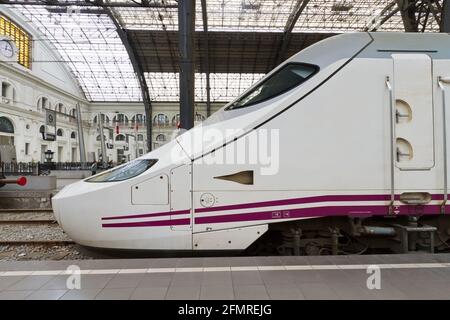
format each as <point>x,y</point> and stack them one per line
<point>5,100</point>
<point>38,168</point>
<point>20,168</point>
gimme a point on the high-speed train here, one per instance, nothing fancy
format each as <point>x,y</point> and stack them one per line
<point>340,149</point>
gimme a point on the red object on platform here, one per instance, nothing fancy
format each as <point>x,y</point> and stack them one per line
<point>22,181</point>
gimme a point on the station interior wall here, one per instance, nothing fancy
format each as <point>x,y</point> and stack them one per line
<point>48,84</point>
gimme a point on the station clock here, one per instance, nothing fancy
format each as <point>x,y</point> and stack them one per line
<point>8,50</point>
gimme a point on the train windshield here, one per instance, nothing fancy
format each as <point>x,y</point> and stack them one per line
<point>127,171</point>
<point>285,79</point>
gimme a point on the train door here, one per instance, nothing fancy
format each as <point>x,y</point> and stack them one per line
<point>181,198</point>
<point>412,127</point>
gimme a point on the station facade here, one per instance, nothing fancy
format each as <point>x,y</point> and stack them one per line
<point>35,78</point>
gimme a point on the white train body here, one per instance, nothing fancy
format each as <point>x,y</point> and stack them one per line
<point>365,127</point>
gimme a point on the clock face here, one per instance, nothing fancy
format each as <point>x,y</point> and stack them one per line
<point>6,49</point>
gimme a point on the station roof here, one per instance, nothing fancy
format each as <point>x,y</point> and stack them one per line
<point>245,38</point>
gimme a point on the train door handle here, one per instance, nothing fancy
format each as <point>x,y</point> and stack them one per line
<point>401,154</point>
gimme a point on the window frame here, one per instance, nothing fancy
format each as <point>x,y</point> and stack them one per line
<point>316,70</point>
<point>120,135</point>
<point>163,137</point>
<point>151,163</point>
<point>21,38</point>
<point>8,125</point>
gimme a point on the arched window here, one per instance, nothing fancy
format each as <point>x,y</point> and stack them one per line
<point>138,118</point>
<point>73,135</point>
<point>59,132</point>
<point>105,119</point>
<point>161,120</point>
<point>199,117</point>
<point>140,137</point>
<point>120,137</point>
<point>8,92</point>
<point>120,118</point>
<point>176,120</point>
<point>43,103</point>
<point>99,138</point>
<point>161,138</point>
<point>73,112</point>
<point>59,107</point>
<point>6,125</point>
<point>42,129</point>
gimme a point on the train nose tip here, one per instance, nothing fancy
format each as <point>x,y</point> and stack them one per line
<point>56,209</point>
<point>58,201</point>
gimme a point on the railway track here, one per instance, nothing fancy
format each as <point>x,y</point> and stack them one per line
<point>30,221</point>
<point>36,242</point>
<point>3,210</point>
<point>31,228</point>
<point>34,234</point>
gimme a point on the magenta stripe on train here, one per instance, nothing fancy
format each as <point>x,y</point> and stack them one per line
<point>147,215</point>
<point>160,223</point>
<point>360,211</point>
<point>327,198</point>
<point>314,199</point>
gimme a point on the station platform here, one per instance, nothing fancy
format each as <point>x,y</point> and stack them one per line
<point>412,276</point>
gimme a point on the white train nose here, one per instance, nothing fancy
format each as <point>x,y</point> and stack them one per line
<point>72,206</point>
<point>56,210</point>
<point>79,209</point>
<point>59,199</point>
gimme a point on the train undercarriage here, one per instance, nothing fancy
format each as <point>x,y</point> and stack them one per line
<point>347,235</point>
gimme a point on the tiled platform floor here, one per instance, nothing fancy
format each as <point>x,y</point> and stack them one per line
<point>417,276</point>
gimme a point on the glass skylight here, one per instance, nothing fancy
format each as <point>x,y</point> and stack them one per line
<point>87,40</point>
<point>91,47</point>
<point>164,86</point>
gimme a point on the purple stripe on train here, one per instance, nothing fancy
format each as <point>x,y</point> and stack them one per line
<point>356,211</point>
<point>161,223</point>
<point>314,199</point>
<point>148,215</point>
<point>327,198</point>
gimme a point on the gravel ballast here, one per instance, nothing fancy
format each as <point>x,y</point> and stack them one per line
<point>40,252</point>
<point>26,232</point>
<point>35,232</point>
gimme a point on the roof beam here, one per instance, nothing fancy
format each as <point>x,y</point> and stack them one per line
<point>427,9</point>
<point>290,24</point>
<point>390,10</point>
<point>408,12</point>
<point>416,13</point>
<point>138,71</point>
<point>445,17</point>
<point>87,3</point>
<point>206,37</point>
<point>186,30</point>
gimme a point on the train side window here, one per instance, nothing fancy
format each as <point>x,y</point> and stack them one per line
<point>285,79</point>
<point>124,172</point>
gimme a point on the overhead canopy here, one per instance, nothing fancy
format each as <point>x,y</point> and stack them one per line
<point>246,38</point>
<point>229,52</point>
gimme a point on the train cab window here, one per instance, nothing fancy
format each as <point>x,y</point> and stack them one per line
<point>285,79</point>
<point>127,171</point>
